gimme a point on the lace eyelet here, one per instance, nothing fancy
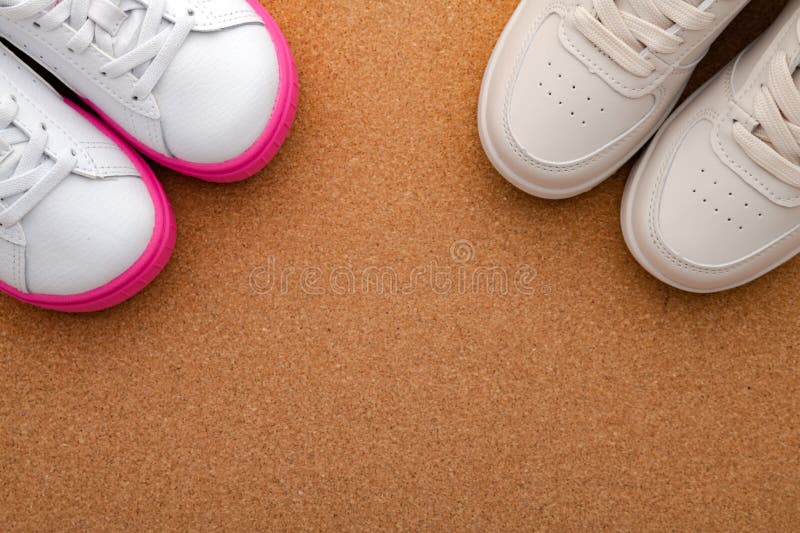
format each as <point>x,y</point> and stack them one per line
<point>43,126</point>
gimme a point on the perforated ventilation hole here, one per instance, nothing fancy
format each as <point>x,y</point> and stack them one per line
<point>553,87</point>
<point>709,200</point>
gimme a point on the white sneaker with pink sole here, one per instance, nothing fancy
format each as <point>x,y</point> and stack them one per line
<point>205,87</point>
<point>84,224</point>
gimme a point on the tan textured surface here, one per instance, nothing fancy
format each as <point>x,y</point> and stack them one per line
<point>603,400</point>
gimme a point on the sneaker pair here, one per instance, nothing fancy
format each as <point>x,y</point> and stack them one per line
<point>205,87</point>
<point>576,88</point>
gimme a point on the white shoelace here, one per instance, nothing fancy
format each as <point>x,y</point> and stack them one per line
<point>623,35</point>
<point>147,52</point>
<point>27,175</point>
<point>775,143</point>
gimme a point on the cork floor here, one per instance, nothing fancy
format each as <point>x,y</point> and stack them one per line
<point>378,332</point>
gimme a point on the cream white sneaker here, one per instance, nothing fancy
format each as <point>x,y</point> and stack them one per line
<point>715,202</point>
<point>84,224</point>
<point>206,87</point>
<point>575,88</point>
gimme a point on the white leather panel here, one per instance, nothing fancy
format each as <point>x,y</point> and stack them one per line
<point>708,215</point>
<point>12,257</point>
<point>92,227</point>
<point>86,233</point>
<point>749,72</point>
<point>213,15</point>
<point>81,72</point>
<point>97,155</point>
<point>560,112</point>
<point>697,212</point>
<point>216,104</point>
<point>217,95</point>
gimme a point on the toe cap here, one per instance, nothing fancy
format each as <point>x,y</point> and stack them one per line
<point>693,222</point>
<point>86,233</point>
<point>219,93</point>
<point>561,113</point>
<point>550,125</point>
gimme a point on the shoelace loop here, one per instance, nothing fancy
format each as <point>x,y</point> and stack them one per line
<point>96,22</point>
<point>623,35</point>
<point>30,174</point>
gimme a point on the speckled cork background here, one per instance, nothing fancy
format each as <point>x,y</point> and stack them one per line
<point>276,377</point>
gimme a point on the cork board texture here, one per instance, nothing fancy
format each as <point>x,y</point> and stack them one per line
<point>317,355</point>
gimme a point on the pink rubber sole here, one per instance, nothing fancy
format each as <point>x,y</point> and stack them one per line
<point>146,268</point>
<point>269,142</point>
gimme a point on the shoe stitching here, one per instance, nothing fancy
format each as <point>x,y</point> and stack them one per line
<point>55,123</point>
<point>750,87</point>
<point>128,103</point>
<point>655,194</point>
<point>520,151</point>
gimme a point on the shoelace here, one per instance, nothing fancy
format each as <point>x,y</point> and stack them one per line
<point>775,144</point>
<point>149,51</point>
<point>25,172</point>
<point>623,35</point>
